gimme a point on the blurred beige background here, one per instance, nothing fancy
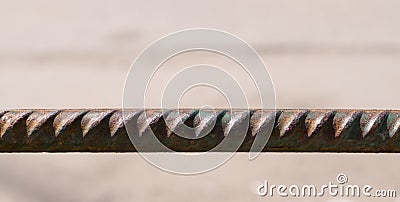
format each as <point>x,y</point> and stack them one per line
<point>76,54</point>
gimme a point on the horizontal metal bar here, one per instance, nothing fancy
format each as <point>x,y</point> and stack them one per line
<point>103,130</point>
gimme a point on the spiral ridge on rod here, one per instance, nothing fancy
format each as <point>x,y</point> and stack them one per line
<point>295,130</point>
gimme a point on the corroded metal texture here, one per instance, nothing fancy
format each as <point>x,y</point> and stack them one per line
<point>103,130</point>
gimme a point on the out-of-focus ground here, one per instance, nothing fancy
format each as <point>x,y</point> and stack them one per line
<point>75,54</point>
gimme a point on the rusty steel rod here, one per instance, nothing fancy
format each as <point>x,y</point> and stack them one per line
<point>103,130</point>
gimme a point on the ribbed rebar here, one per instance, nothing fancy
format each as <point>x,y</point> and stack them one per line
<point>103,130</point>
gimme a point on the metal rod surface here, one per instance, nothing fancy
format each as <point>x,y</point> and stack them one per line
<point>103,130</point>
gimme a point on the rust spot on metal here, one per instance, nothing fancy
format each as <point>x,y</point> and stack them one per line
<point>10,119</point>
<point>393,123</point>
<point>36,120</point>
<point>65,118</point>
<point>149,118</point>
<point>236,121</point>
<point>176,120</point>
<point>260,120</point>
<point>371,120</point>
<point>205,121</point>
<point>92,119</point>
<point>288,119</point>
<point>344,119</point>
<point>315,119</point>
<point>119,118</point>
